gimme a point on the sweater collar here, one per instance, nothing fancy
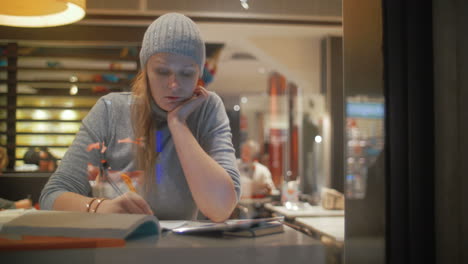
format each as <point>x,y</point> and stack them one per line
<point>159,113</point>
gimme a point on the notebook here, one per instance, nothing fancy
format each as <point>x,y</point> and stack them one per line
<point>257,230</point>
<point>83,225</point>
<point>230,225</point>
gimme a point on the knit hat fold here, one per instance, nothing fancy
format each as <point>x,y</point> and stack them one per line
<point>173,33</point>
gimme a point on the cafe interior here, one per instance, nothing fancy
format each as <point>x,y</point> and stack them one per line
<point>327,91</point>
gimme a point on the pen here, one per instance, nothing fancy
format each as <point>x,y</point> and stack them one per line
<point>104,173</point>
<point>128,182</point>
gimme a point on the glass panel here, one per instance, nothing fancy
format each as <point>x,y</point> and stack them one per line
<point>364,104</point>
<point>3,126</point>
<point>62,101</point>
<point>41,140</point>
<point>41,114</point>
<point>3,113</point>
<point>365,140</point>
<point>3,140</point>
<point>48,127</point>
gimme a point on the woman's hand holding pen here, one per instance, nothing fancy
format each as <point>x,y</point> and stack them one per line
<point>180,113</point>
<point>128,203</point>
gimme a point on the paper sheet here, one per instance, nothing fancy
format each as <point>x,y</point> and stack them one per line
<point>169,225</point>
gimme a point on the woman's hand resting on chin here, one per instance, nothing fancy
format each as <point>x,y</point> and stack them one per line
<point>180,113</point>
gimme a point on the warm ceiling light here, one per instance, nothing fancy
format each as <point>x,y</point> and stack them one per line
<point>244,4</point>
<point>41,13</point>
<point>73,89</point>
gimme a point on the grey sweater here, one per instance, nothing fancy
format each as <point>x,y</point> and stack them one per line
<point>109,122</point>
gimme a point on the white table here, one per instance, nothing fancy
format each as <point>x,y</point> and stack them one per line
<point>333,227</point>
<point>306,211</point>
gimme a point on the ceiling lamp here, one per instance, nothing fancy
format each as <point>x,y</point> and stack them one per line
<point>41,13</point>
<point>244,4</point>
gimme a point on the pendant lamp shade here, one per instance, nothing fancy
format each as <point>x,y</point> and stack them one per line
<point>41,13</point>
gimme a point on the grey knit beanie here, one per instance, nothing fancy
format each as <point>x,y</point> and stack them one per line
<point>173,33</point>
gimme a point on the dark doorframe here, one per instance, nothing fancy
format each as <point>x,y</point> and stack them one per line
<point>409,89</point>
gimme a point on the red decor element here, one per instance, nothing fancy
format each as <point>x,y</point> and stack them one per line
<point>277,86</point>
<point>243,123</point>
<point>100,89</point>
<point>276,156</point>
<point>294,161</point>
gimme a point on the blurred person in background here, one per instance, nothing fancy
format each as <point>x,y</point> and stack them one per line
<point>256,178</point>
<point>4,203</point>
<point>41,157</point>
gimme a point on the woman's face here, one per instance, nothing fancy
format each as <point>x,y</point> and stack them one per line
<point>172,79</point>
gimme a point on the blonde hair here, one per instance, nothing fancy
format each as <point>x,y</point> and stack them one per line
<point>144,128</point>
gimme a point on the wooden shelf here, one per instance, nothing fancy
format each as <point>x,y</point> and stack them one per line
<point>79,60</point>
<point>67,82</point>
<point>42,146</point>
<point>11,68</point>
<point>42,120</point>
<point>55,95</point>
<point>49,120</point>
<point>82,56</point>
<point>46,133</point>
<point>42,133</point>
<point>53,107</point>
<point>52,92</point>
<point>45,108</point>
<point>23,158</point>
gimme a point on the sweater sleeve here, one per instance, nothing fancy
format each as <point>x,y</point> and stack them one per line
<point>6,204</point>
<point>72,174</point>
<point>216,138</point>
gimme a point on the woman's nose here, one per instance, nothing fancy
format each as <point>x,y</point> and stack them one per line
<point>173,82</point>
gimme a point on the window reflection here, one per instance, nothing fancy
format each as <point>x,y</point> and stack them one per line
<point>365,140</point>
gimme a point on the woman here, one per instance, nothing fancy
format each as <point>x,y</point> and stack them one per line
<point>171,132</point>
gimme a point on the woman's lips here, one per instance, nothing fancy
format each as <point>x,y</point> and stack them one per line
<point>173,98</point>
